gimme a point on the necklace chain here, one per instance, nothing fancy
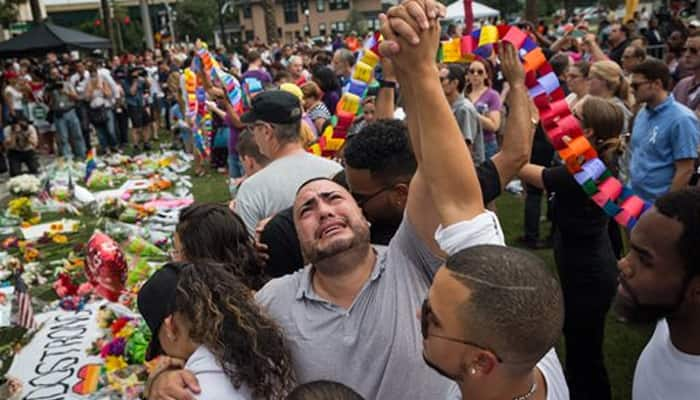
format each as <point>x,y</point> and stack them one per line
<point>529,394</point>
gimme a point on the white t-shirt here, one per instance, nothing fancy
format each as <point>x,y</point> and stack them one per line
<point>17,97</point>
<point>274,188</point>
<point>664,372</point>
<point>215,384</point>
<point>486,229</point>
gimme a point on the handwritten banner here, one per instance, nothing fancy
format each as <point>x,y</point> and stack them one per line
<point>55,365</point>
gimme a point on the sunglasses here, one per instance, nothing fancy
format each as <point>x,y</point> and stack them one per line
<point>425,311</point>
<point>362,199</point>
<point>476,71</point>
<point>691,50</point>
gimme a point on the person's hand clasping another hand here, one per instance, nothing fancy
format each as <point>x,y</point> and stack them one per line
<point>404,27</point>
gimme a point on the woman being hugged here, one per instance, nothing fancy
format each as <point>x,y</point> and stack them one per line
<point>202,314</point>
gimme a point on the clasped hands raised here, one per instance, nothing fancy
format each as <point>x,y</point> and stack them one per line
<point>411,33</point>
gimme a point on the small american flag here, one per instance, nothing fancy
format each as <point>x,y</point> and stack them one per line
<point>45,193</point>
<point>25,312</point>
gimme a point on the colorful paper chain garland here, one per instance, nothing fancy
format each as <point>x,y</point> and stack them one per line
<point>563,129</point>
<point>333,137</point>
<point>196,95</point>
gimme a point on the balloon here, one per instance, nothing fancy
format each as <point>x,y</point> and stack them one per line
<point>106,266</point>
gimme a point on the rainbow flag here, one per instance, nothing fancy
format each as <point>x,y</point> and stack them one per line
<point>90,163</point>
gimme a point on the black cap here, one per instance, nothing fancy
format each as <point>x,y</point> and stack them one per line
<point>156,300</point>
<point>275,107</point>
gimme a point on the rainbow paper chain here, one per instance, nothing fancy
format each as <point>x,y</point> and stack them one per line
<point>333,137</point>
<point>562,128</point>
<point>196,110</point>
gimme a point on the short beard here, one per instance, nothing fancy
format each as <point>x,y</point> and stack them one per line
<point>641,314</point>
<point>360,239</point>
<point>634,312</point>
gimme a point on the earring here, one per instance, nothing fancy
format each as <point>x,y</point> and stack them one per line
<point>473,371</point>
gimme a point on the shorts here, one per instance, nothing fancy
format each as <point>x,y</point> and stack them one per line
<point>137,115</point>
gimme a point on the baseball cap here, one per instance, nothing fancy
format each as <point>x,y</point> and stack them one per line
<point>275,107</point>
<point>156,301</point>
<point>293,89</point>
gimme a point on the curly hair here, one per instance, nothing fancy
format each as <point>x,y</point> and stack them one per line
<point>224,317</point>
<point>213,232</point>
<point>384,149</point>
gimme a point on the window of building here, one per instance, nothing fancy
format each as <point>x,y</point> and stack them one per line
<point>341,26</point>
<point>249,35</point>
<point>320,5</point>
<point>291,12</point>
<point>322,29</point>
<point>279,32</point>
<point>247,11</point>
<point>338,4</point>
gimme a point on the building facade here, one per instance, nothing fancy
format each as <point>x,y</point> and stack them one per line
<point>301,18</point>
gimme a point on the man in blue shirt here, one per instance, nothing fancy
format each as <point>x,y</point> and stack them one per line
<point>665,135</point>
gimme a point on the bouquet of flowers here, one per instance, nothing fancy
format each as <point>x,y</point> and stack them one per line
<point>123,349</point>
<point>21,207</point>
<point>111,207</point>
<point>24,185</point>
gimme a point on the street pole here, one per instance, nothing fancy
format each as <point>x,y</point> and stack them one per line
<point>146,23</point>
<point>171,25</point>
<point>222,36</point>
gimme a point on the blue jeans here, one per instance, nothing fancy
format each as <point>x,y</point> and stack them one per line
<point>490,148</point>
<point>105,132</point>
<point>70,135</point>
<point>235,168</point>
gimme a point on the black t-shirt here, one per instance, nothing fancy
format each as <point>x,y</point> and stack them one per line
<point>574,213</point>
<point>489,180</point>
<point>616,52</point>
<point>284,249</point>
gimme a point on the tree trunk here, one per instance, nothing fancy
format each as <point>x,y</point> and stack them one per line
<point>36,11</point>
<point>107,16</point>
<point>531,11</point>
<point>270,21</point>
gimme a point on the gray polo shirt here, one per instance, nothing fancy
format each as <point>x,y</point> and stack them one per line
<point>468,120</point>
<point>375,346</point>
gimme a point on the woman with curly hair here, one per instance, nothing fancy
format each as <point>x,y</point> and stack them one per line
<point>203,315</point>
<point>212,232</point>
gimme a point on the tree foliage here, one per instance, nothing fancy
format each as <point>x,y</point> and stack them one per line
<point>197,19</point>
<point>357,22</point>
<point>9,9</point>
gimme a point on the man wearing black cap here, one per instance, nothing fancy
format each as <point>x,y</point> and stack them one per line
<point>275,120</point>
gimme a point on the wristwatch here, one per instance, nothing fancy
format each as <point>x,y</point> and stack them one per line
<point>388,84</point>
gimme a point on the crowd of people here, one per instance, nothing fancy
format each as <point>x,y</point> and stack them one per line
<point>383,273</point>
